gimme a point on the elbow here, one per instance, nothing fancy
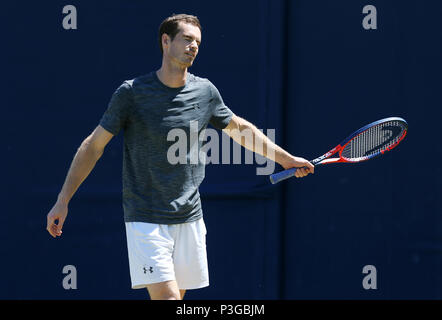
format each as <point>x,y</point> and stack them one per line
<point>242,124</point>
<point>91,149</point>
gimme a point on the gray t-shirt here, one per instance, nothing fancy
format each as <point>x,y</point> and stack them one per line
<point>155,190</point>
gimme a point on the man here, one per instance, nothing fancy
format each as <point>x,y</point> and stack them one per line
<point>162,209</point>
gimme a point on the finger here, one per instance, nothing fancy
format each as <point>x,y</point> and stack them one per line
<point>54,230</point>
<point>60,224</point>
<point>303,172</point>
<point>307,171</point>
<point>49,221</point>
<point>51,232</point>
<point>310,167</point>
<point>49,226</point>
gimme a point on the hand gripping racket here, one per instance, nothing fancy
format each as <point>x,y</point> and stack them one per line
<point>366,143</point>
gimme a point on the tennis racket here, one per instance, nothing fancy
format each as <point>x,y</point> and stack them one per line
<point>366,143</point>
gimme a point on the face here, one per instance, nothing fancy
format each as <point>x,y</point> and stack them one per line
<point>182,50</point>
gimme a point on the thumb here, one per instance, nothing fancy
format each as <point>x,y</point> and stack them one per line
<point>310,166</point>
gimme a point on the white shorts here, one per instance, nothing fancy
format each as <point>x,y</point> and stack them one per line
<point>159,252</point>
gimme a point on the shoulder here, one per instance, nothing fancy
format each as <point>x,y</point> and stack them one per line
<point>204,83</point>
<point>197,79</point>
<point>200,81</point>
<point>138,84</point>
<point>141,80</point>
<point>126,85</point>
<point>124,91</point>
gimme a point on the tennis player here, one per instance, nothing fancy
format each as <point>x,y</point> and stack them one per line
<point>162,208</point>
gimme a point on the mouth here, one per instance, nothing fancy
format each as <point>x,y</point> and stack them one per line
<point>191,55</point>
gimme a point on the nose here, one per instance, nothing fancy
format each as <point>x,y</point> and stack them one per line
<point>194,45</point>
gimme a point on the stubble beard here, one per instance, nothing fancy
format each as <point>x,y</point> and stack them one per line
<point>183,63</point>
<point>187,61</point>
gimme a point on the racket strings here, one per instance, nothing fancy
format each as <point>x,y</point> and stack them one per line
<point>371,141</point>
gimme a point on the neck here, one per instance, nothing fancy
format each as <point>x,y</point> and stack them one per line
<point>172,76</point>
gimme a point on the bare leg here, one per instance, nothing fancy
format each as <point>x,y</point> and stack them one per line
<point>167,290</point>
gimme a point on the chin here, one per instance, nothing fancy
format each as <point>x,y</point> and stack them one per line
<point>188,64</point>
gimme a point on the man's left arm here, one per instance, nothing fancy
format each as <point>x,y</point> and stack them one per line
<point>253,139</point>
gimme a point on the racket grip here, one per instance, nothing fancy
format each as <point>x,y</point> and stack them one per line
<point>278,177</point>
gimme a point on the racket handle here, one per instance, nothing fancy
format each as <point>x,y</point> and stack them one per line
<point>278,177</point>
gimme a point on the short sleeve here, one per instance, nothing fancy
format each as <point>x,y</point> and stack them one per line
<point>115,117</point>
<point>221,114</point>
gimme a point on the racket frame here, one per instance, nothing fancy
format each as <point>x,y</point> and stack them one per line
<point>325,158</point>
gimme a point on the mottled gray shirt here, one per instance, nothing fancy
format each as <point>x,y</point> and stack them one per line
<point>155,190</point>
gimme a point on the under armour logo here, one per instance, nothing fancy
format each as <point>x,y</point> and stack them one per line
<point>150,270</point>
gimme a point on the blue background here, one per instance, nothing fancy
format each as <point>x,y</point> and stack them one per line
<point>305,68</point>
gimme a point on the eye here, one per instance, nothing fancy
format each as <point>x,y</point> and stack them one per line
<point>190,39</point>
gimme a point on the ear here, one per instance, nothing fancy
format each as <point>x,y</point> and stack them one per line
<point>165,39</point>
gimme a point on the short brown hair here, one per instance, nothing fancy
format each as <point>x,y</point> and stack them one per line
<point>170,27</point>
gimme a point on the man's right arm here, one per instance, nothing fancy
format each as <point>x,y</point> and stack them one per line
<point>84,161</point>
